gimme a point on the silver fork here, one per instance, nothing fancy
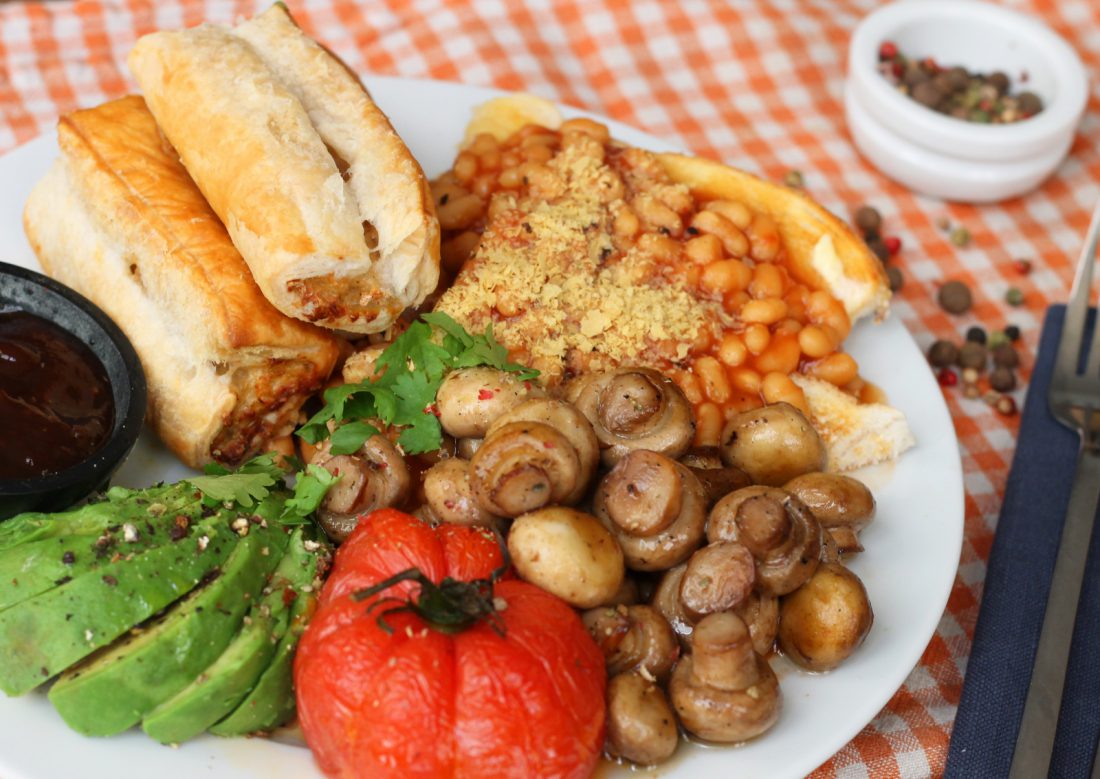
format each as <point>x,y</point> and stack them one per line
<point>1075,402</point>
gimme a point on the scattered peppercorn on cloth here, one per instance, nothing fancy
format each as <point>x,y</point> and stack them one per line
<point>1010,622</point>
<point>756,83</point>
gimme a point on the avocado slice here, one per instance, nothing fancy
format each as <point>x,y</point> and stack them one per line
<point>221,687</point>
<point>37,566</point>
<point>113,690</point>
<point>119,504</point>
<point>271,702</point>
<point>49,632</point>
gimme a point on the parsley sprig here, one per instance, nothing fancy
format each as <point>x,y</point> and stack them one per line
<point>252,483</point>
<point>406,379</point>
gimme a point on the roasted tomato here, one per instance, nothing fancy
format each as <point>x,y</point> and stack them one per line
<point>480,676</point>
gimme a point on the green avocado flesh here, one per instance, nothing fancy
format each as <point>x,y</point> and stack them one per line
<point>270,703</point>
<point>113,690</point>
<point>47,633</point>
<point>119,505</point>
<point>40,565</point>
<point>220,688</point>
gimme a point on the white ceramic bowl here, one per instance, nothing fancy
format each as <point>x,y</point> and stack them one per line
<point>950,158</point>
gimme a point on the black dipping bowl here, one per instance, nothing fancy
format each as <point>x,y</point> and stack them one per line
<point>25,290</point>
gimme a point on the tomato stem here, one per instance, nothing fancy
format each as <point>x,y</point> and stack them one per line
<point>449,607</point>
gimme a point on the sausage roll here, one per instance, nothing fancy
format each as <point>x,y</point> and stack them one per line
<point>320,195</point>
<point>118,219</point>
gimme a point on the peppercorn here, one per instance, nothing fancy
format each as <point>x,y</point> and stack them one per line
<point>878,247</point>
<point>997,338</point>
<point>1004,356</point>
<point>999,81</point>
<point>954,296</point>
<point>913,74</point>
<point>1005,405</point>
<point>972,355</point>
<point>943,223</point>
<point>957,78</point>
<point>1014,296</point>
<point>943,353</point>
<point>960,236</point>
<point>947,377</point>
<point>793,179</point>
<point>1023,267</point>
<point>991,397</point>
<point>893,244</point>
<point>1029,103</point>
<point>927,94</point>
<point>1012,333</point>
<point>1002,379</point>
<point>971,391</point>
<point>868,219</point>
<point>895,278</point>
<point>976,334</point>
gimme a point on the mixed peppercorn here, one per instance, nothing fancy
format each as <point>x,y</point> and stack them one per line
<point>970,361</point>
<point>985,98</point>
<point>869,223</point>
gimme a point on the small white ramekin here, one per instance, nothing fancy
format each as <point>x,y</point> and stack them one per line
<point>950,158</point>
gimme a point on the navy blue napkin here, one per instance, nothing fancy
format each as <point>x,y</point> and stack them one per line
<point>1016,586</point>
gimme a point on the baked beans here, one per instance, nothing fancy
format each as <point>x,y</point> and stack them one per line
<point>722,250</point>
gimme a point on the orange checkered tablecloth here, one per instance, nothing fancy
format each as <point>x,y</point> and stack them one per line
<point>757,83</point>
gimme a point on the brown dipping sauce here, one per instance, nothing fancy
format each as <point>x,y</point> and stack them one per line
<point>56,406</point>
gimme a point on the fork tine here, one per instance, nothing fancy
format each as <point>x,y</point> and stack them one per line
<point>1069,350</point>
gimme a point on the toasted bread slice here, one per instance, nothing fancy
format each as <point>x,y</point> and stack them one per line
<point>855,434</point>
<point>822,251</point>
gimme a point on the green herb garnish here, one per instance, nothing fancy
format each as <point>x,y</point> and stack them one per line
<point>403,389</point>
<point>245,487</point>
<point>253,482</point>
<point>309,491</point>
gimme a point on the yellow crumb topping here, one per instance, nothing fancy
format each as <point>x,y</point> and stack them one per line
<point>559,295</point>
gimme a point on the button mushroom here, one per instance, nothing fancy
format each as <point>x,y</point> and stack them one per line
<point>568,421</point>
<point>761,613</point>
<point>634,408</point>
<point>359,366</point>
<point>719,577</point>
<point>471,399</point>
<point>720,482</point>
<point>703,458</point>
<point>830,552</point>
<point>778,529</point>
<point>641,727</point>
<point>450,497</point>
<point>523,466</point>
<point>655,507</point>
<point>666,599</point>
<point>826,619</point>
<point>466,448</point>
<point>568,553</point>
<point>628,593</point>
<point>374,477</point>
<point>717,478</point>
<point>724,691</point>
<point>633,637</point>
<point>842,505</point>
<point>773,444</point>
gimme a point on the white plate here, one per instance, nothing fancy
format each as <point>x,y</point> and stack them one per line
<point>912,546</point>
